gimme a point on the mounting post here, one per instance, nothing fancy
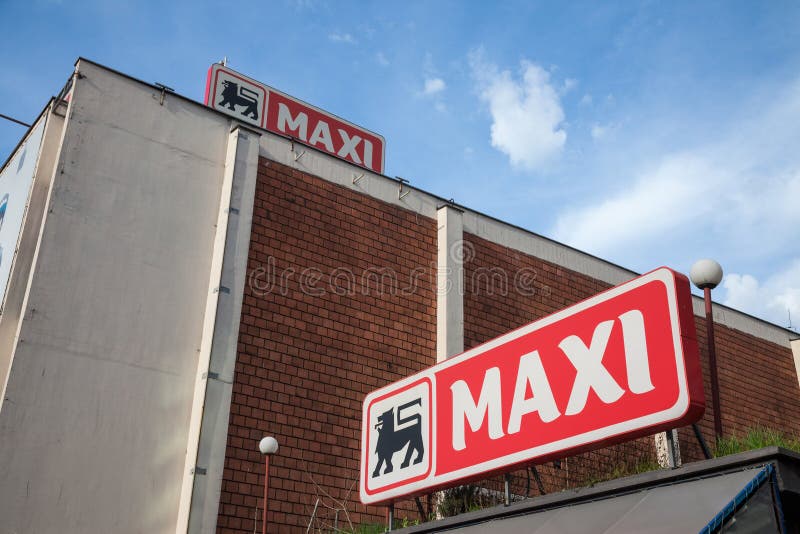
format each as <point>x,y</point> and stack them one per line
<point>701,441</point>
<point>538,480</point>
<point>422,516</point>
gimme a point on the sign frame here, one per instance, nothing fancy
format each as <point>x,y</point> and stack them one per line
<point>265,95</point>
<point>688,406</point>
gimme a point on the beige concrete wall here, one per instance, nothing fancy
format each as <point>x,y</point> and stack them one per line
<point>94,429</point>
<point>29,240</point>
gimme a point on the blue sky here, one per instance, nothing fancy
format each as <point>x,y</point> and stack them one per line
<point>646,133</point>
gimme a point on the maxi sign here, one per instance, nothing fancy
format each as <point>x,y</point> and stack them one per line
<point>260,105</point>
<point>619,365</point>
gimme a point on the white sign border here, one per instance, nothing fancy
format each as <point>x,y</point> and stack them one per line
<point>663,274</point>
<point>211,90</point>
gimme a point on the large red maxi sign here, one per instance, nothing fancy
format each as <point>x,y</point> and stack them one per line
<point>619,365</point>
<point>261,105</point>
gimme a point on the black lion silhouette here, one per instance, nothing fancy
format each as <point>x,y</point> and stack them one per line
<point>233,95</point>
<point>391,441</point>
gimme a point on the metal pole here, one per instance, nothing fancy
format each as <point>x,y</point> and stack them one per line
<point>701,441</point>
<point>390,517</point>
<point>538,479</point>
<point>507,490</point>
<point>12,119</point>
<point>712,363</point>
<point>673,454</point>
<point>266,488</point>
<point>422,516</point>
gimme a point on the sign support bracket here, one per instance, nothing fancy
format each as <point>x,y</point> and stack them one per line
<point>538,479</point>
<point>421,511</point>
<point>701,441</point>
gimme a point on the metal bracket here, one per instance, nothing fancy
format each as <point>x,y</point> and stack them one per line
<point>164,90</point>
<point>297,156</point>
<point>199,470</point>
<point>357,178</point>
<point>222,289</point>
<point>210,375</point>
<point>422,516</point>
<point>702,441</point>
<point>538,479</point>
<point>400,193</point>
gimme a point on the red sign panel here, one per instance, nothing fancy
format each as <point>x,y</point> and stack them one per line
<point>619,365</point>
<point>260,105</point>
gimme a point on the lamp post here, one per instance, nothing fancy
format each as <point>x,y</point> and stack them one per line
<point>268,446</point>
<point>706,275</point>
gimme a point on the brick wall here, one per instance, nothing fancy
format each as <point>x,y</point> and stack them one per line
<point>341,301</point>
<point>506,289</point>
<point>758,387</point>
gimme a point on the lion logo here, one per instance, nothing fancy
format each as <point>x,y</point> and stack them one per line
<point>391,440</point>
<point>233,95</point>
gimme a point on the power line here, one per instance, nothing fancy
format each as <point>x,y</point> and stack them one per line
<point>12,119</point>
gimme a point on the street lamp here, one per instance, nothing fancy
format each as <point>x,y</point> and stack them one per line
<point>706,275</point>
<point>268,446</point>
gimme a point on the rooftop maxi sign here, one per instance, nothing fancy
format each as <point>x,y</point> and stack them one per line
<point>261,105</point>
<point>619,365</point>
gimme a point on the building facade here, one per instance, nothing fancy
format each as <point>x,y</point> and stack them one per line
<point>185,284</point>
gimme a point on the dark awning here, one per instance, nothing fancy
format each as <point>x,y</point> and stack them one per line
<point>699,505</point>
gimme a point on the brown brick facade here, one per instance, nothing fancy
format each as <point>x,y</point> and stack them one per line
<point>506,289</point>
<point>341,300</point>
<point>758,387</point>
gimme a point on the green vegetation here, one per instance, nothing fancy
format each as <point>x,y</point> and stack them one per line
<point>756,438</point>
<point>625,470</point>
<point>461,499</point>
<point>380,528</point>
<point>369,528</point>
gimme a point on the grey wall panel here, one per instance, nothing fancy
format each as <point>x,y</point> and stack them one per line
<point>216,410</point>
<point>29,240</point>
<point>94,429</point>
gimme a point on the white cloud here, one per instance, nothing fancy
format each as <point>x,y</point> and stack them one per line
<point>527,118</point>
<point>777,299</point>
<point>433,86</point>
<point>568,85</point>
<point>586,100</point>
<point>742,190</point>
<point>599,131</point>
<point>663,197</point>
<point>342,38</point>
<point>734,198</point>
